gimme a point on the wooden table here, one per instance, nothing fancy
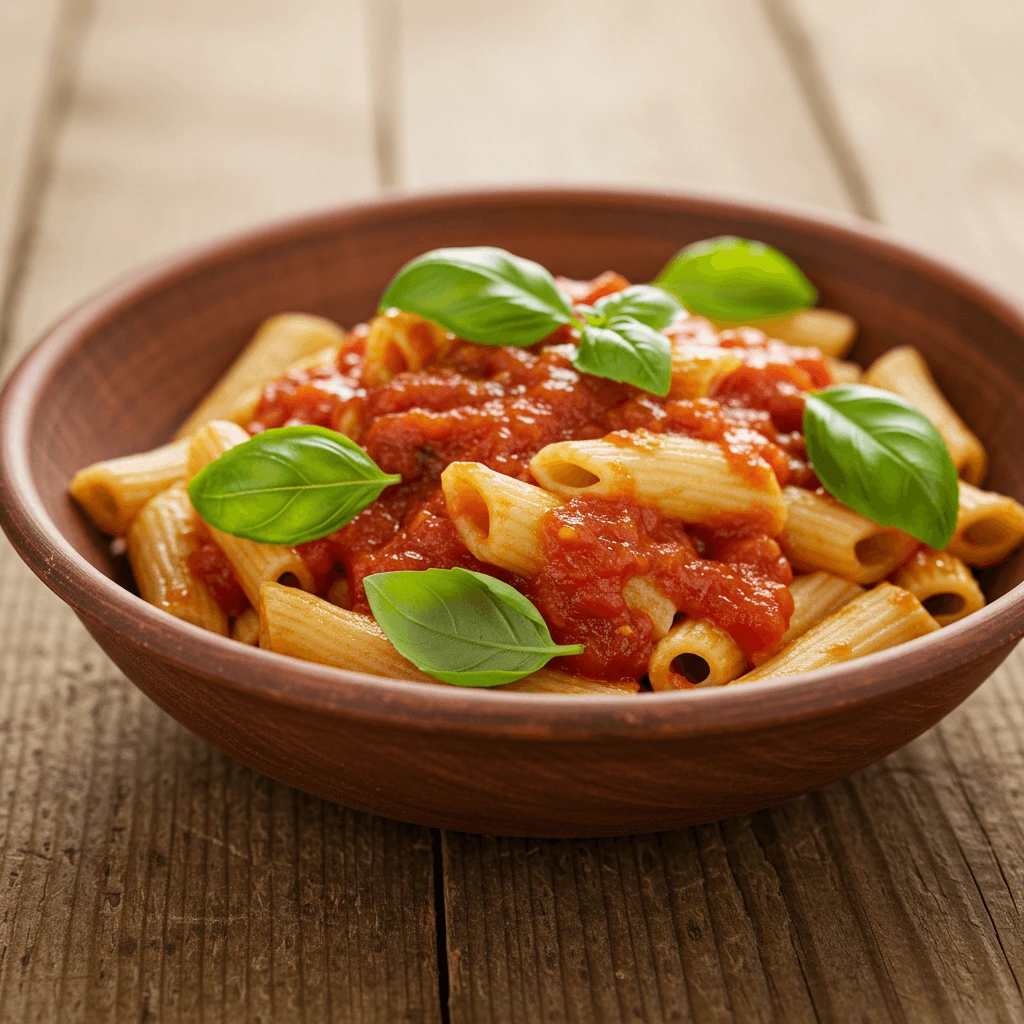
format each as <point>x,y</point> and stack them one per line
<point>146,877</point>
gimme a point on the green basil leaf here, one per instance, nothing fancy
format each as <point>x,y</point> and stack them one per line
<point>462,627</point>
<point>627,351</point>
<point>288,486</point>
<point>652,306</point>
<point>481,294</point>
<point>877,454</point>
<point>735,280</point>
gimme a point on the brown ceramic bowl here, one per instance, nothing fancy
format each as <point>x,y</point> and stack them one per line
<point>119,373</point>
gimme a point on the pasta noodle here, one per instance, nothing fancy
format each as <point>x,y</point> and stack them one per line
<point>843,371</point>
<point>307,627</point>
<point>904,371</point>
<point>988,526</point>
<point>696,369</point>
<point>942,583</point>
<point>815,596</point>
<point>822,533</point>
<point>278,343</point>
<point>401,342</point>
<point>832,333</point>
<point>253,563</point>
<point>498,517</point>
<point>684,478</point>
<point>114,492</point>
<point>695,653</point>
<point>160,541</point>
<point>880,618</point>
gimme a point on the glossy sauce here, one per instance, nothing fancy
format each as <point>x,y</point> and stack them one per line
<point>499,406</point>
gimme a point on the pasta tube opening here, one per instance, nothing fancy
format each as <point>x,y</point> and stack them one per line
<point>695,653</point>
<point>989,526</point>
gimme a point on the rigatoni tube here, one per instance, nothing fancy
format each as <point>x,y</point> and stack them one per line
<point>253,563</point>
<point>160,541</point>
<point>113,492</point>
<point>879,619</point>
<point>942,583</point>
<point>815,596</point>
<point>695,652</point>
<point>685,478</point>
<point>904,371</point>
<point>988,526</point>
<point>832,333</point>
<point>822,533</point>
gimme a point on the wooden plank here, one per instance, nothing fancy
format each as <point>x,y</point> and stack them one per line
<point>931,96</point>
<point>686,94</point>
<point>146,876</point>
<point>31,52</point>
<point>889,896</point>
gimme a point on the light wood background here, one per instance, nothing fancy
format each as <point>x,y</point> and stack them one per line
<point>144,877</point>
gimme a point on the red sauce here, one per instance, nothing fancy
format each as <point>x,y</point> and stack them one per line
<point>208,564</point>
<point>594,546</point>
<point>499,406</point>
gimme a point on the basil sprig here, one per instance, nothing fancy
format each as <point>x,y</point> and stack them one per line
<point>482,294</point>
<point>735,280</point>
<point>288,486</point>
<point>880,456</point>
<point>462,627</point>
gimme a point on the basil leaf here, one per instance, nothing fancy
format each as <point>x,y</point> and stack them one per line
<point>736,280</point>
<point>627,351</point>
<point>462,627</point>
<point>287,486</point>
<point>481,294</point>
<point>877,454</point>
<point>652,306</point>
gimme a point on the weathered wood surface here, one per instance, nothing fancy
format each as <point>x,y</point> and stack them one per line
<point>145,877</point>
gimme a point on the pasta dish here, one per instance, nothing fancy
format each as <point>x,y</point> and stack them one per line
<point>540,484</point>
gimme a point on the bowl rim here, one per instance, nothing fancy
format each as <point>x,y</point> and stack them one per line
<point>374,699</point>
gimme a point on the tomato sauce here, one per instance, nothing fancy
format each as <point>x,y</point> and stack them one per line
<point>500,406</point>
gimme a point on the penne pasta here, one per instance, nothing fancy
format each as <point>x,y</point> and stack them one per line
<point>112,493</point>
<point>904,371</point>
<point>942,583</point>
<point>988,526</point>
<point>160,541</point>
<point>278,343</point>
<point>246,628</point>
<point>815,596</point>
<point>830,332</point>
<point>498,517</point>
<point>696,369</point>
<point>253,563</point>
<point>641,595</point>
<point>880,618</point>
<point>685,478</point>
<point>695,653</point>
<point>307,627</point>
<point>822,533</point>
<point>400,343</point>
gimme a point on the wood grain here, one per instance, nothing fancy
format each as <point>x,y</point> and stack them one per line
<point>684,94</point>
<point>146,876</point>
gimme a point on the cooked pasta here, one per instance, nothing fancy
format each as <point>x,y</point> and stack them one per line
<point>649,501</point>
<point>821,533</point>
<point>942,583</point>
<point>904,371</point>
<point>160,540</point>
<point>683,477</point>
<point>880,618</point>
<point>303,626</point>
<point>988,526</point>
<point>113,493</point>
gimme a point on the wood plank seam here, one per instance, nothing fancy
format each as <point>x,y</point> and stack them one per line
<point>815,89</point>
<point>73,24</point>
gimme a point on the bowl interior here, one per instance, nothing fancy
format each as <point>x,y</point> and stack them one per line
<point>163,339</point>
